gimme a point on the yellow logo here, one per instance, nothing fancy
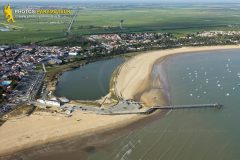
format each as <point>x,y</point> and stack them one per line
<point>8,13</point>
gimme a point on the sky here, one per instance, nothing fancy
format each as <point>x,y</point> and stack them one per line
<point>173,1</point>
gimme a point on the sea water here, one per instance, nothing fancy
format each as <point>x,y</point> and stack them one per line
<point>199,134</point>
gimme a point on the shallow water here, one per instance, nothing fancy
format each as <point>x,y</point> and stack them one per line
<point>207,134</point>
<point>89,82</point>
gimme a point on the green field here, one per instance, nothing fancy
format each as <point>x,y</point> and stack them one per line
<point>178,19</point>
<point>33,30</point>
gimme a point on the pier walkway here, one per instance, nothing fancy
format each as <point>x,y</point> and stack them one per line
<point>216,105</point>
<point>153,108</point>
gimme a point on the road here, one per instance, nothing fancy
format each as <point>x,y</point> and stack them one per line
<point>32,85</point>
<point>71,23</point>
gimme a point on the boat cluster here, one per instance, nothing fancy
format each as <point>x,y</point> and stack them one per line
<point>201,80</point>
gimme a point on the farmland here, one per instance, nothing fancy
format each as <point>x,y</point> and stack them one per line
<point>176,19</point>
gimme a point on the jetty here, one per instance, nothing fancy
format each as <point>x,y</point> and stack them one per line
<point>215,105</point>
<point>153,108</point>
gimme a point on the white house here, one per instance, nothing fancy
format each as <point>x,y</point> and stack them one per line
<point>72,53</point>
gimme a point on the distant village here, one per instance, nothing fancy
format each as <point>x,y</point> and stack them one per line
<point>20,78</point>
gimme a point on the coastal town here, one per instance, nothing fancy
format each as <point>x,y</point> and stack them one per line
<point>22,68</point>
<point>119,80</point>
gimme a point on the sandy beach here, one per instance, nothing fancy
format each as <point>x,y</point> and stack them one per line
<point>132,79</point>
<point>134,75</point>
<point>41,128</point>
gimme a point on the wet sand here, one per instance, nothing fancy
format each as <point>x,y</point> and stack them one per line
<point>42,127</point>
<point>80,146</point>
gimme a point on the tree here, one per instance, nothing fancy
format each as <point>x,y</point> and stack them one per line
<point>121,22</point>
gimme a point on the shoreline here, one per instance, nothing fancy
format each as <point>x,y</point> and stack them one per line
<point>51,78</point>
<point>30,134</point>
<point>106,100</point>
<point>133,79</point>
<point>135,74</point>
<point>84,143</point>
